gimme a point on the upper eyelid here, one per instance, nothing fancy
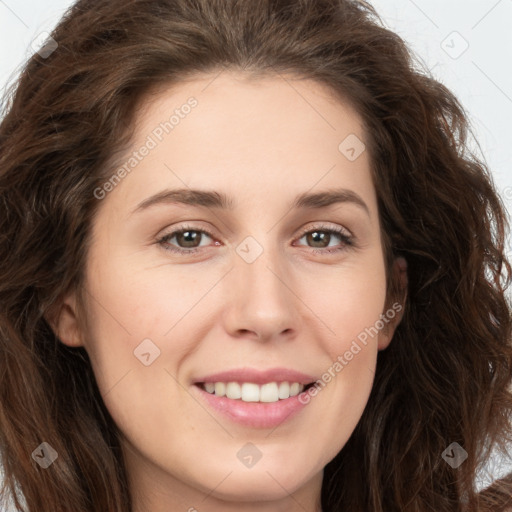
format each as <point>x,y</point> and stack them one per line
<point>324,227</point>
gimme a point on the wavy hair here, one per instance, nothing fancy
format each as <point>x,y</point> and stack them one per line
<point>445,378</point>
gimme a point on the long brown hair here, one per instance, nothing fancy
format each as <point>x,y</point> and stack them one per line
<point>446,376</point>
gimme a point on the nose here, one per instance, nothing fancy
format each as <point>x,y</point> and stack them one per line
<point>261,305</point>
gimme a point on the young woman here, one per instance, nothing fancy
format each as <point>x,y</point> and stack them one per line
<point>246,263</point>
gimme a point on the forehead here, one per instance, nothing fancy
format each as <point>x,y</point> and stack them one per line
<point>244,135</point>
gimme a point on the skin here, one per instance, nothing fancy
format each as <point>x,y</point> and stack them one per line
<point>262,142</point>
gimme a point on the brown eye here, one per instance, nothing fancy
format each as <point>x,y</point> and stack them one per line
<point>320,238</point>
<point>186,240</point>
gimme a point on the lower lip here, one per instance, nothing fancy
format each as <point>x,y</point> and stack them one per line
<point>254,414</point>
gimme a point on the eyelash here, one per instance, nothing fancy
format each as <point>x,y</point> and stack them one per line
<point>347,240</point>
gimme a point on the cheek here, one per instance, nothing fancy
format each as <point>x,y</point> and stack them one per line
<point>351,303</point>
<point>131,303</point>
<point>356,311</point>
<point>140,315</point>
<point>352,308</point>
<point>128,318</point>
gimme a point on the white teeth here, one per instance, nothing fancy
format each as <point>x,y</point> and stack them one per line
<point>269,392</point>
<point>250,392</point>
<point>220,389</point>
<point>233,390</point>
<point>284,390</point>
<point>209,386</point>
<point>294,389</point>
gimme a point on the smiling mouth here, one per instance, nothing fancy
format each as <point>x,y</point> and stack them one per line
<point>251,392</point>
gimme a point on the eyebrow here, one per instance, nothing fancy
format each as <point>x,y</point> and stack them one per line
<point>219,200</point>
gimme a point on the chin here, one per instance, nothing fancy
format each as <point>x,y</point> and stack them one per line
<point>269,480</point>
<point>246,486</point>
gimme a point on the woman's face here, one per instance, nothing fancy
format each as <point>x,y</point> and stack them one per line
<point>287,287</point>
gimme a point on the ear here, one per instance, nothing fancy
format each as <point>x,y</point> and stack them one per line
<point>63,319</point>
<point>395,304</point>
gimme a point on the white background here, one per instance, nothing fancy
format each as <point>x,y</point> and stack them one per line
<point>437,30</point>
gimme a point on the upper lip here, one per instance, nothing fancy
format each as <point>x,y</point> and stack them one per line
<point>258,376</point>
